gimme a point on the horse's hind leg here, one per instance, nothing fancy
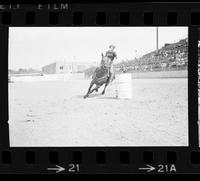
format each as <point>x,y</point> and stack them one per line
<point>112,78</point>
<point>103,92</point>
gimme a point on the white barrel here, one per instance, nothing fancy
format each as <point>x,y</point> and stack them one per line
<point>124,86</point>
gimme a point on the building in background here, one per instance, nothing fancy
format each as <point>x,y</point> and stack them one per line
<point>67,67</point>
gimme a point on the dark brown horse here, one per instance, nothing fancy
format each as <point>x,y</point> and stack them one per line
<point>101,76</point>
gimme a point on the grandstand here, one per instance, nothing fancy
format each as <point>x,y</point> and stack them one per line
<point>170,57</point>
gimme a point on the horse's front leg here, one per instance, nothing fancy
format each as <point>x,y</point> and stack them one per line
<point>89,90</point>
<point>95,89</point>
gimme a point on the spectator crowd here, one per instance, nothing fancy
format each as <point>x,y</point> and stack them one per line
<point>172,56</point>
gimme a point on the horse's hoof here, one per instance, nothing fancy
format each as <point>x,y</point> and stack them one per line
<point>85,97</point>
<point>102,93</point>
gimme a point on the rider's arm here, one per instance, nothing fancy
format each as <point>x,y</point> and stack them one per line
<point>115,55</point>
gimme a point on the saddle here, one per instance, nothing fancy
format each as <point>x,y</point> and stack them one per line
<point>104,70</point>
<point>101,72</point>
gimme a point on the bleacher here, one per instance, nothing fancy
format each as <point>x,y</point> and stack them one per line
<point>170,57</point>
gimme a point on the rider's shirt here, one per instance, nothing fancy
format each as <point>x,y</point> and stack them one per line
<point>111,55</point>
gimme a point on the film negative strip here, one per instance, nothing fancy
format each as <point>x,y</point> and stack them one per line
<point>99,88</point>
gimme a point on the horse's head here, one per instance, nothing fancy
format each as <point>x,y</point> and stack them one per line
<point>104,60</point>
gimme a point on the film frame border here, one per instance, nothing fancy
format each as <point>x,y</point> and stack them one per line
<point>103,159</point>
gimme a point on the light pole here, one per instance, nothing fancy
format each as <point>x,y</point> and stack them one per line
<point>156,40</point>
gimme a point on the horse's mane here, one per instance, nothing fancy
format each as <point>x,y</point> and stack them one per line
<point>105,62</point>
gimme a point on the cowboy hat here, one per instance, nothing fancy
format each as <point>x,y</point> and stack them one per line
<point>112,46</point>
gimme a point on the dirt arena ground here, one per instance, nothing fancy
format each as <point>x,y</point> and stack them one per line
<point>54,113</point>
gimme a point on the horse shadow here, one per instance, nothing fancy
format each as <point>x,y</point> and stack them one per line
<point>98,96</point>
<point>91,96</point>
<point>111,98</point>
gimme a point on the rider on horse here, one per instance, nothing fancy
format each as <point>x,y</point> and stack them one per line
<point>103,74</point>
<point>111,55</point>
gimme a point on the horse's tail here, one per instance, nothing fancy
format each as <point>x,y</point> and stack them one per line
<point>113,77</point>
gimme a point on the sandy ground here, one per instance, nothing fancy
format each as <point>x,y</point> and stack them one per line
<point>54,113</point>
